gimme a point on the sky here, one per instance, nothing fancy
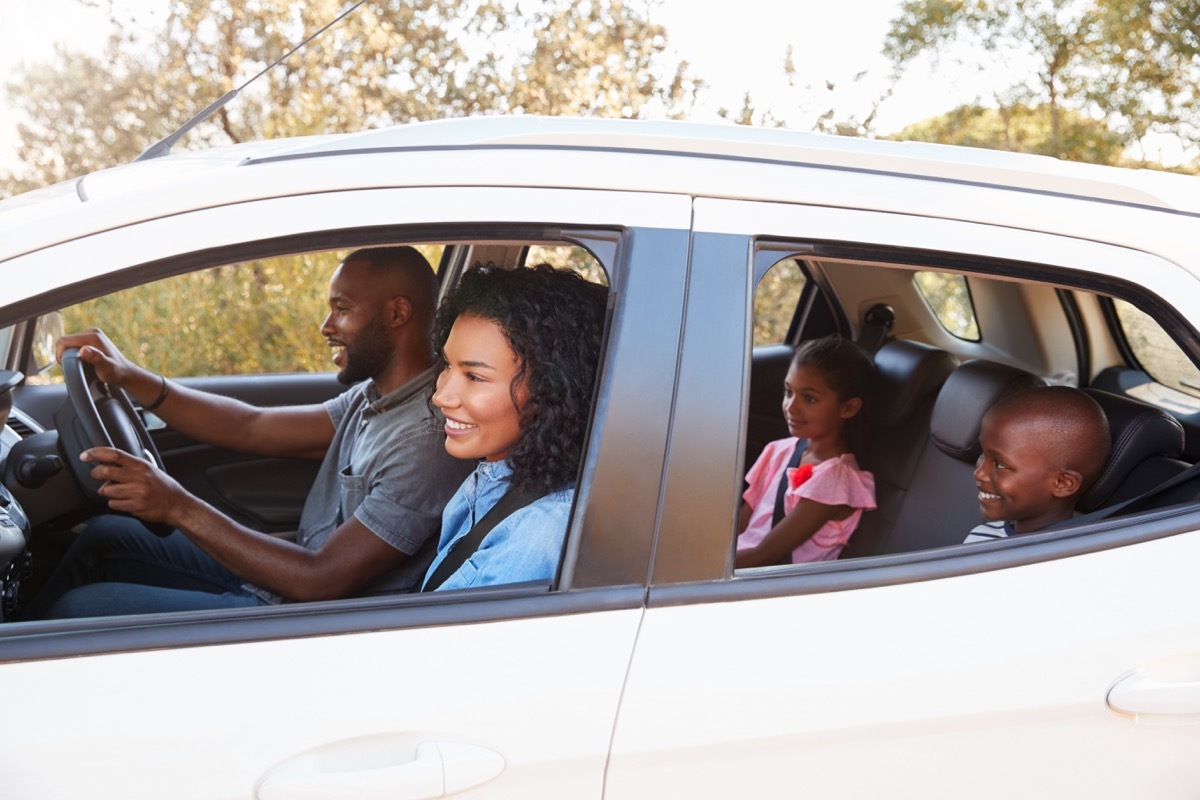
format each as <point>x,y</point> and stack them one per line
<point>740,49</point>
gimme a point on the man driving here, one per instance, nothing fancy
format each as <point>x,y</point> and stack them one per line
<point>371,519</point>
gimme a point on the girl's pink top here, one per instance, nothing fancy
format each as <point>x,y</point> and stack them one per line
<point>836,481</point>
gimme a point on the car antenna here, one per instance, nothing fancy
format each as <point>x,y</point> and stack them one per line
<point>163,146</point>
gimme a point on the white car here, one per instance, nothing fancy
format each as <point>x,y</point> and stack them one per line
<point>1056,664</point>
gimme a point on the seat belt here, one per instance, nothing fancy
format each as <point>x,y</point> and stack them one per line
<point>877,323</point>
<point>1109,511</point>
<point>797,454</point>
<point>465,547</point>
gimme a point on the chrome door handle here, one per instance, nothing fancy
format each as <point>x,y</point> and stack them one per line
<point>1138,693</point>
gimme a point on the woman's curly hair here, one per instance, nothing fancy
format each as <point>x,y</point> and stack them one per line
<point>554,321</point>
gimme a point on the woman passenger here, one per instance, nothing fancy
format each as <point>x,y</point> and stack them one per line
<point>519,351</point>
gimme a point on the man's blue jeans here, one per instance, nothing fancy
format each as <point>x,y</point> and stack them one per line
<point>116,566</point>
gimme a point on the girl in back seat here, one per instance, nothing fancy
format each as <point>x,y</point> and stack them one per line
<point>806,493</point>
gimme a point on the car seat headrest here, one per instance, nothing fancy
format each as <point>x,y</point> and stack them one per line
<point>1138,431</point>
<point>968,393</point>
<point>909,372</point>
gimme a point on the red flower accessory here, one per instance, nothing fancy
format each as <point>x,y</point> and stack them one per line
<point>797,476</point>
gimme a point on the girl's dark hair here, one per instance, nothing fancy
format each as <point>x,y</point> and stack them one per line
<point>849,371</point>
<point>553,320</point>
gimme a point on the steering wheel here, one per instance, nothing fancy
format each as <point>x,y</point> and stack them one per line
<point>104,417</point>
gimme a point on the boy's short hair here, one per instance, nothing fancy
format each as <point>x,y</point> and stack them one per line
<point>1068,422</point>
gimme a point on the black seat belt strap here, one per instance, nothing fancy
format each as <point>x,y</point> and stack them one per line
<point>877,324</point>
<point>465,547</point>
<point>794,462</point>
<point>1103,513</point>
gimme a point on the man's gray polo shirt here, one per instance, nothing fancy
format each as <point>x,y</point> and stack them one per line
<point>388,466</point>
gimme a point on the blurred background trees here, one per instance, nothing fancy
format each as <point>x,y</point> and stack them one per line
<point>1091,80</point>
<point>1023,129</point>
<point>1094,78</point>
<point>1088,80</point>
<point>388,62</point>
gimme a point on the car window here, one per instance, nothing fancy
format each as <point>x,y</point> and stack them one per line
<point>1155,351</point>
<point>257,317</point>
<point>950,300</point>
<point>250,317</point>
<point>568,256</point>
<point>908,470</point>
<point>775,301</point>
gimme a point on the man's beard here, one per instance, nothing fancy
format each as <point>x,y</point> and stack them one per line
<point>367,355</point>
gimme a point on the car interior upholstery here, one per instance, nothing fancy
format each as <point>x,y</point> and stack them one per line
<point>1147,444</point>
<point>924,443</point>
<point>909,377</point>
<point>940,507</point>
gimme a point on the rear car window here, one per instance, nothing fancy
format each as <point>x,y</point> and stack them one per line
<point>1156,353</point>
<point>950,300</point>
<point>775,301</point>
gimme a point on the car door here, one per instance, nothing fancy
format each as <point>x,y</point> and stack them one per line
<point>499,692</point>
<point>1054,667</point>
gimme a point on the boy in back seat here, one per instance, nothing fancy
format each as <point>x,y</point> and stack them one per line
<point>1042,449</point>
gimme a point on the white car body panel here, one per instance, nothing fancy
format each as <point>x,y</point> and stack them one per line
<point>932,684</point>
<point>541,693</point>
<point>991,685</point>
<point>1167,276</point>
<point>167,236</point>
<point>510,686</point>
<point>713,161</point>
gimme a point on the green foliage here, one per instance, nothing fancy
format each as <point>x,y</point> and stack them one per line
<point>1022,129</point>
<point>261,316</point>
<point>950,301</point>
<point>1156,352</point>
<point>390,62</point>
<point>255,317</point>
<point>1131,64</point>
<point>595,58</point>
<point>775,301</point>
<point>570,257</point>
<point>1148,66</point>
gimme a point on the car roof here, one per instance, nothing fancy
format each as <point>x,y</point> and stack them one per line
<point>774,145</point>
<point>723,160</point>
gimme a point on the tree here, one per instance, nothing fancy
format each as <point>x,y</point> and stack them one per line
<point>596,58</point>
<point>816,105</point>
<point>389,62</point>
<point>1131,63</point>
<point>1021,128</point>
<point>1148,66</point>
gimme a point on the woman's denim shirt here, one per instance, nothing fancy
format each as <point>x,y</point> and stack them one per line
<point>524,546</point>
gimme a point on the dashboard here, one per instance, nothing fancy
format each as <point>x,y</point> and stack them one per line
<point>14,524</point>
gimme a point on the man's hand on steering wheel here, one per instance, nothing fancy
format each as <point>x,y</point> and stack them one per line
<point>110,365</point>
<point>134,486</point>
<point>99,413</point>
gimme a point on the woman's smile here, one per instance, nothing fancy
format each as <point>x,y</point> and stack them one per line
<point>458,429</point>
<point>476,391</point>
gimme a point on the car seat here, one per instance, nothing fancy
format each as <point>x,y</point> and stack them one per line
<point>909,377</point>
<point>1146,446</point>
<point>940,506</point>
